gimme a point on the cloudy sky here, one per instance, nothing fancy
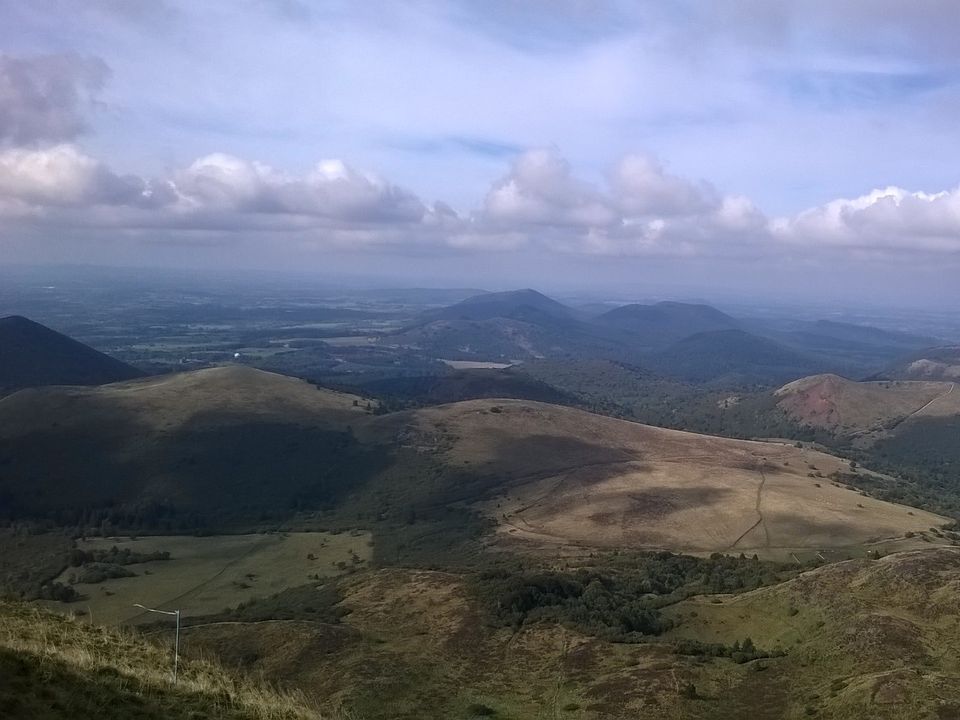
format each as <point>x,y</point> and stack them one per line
<point>809,149</point>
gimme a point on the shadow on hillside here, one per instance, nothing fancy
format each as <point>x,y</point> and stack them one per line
<point>540,455</point>
<point>266,467</point>
<point>217,471</point>
<point>465,385</point>
<point>655,503</point>
<point>790,526</point>
<point>642,506</point>
<point>66,467</point>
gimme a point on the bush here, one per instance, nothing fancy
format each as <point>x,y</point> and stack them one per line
<point>738,652</point>
<point>58,591</point>
<point>620,596</point>
<point>99,572</point>
<point>479,710</point>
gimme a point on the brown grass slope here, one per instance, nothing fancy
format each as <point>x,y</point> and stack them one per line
<point>846,407</point>
<point>568,477</point>
<point>54,667</point>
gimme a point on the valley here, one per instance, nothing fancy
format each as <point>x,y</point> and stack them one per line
<point>644,513</point>
<point>459,360</point>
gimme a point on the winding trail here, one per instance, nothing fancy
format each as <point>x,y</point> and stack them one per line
<point>760,520</point>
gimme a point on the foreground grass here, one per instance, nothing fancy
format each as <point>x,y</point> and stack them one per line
<point>52,667</point>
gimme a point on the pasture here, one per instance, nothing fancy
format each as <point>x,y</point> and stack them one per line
<point>205,575</point>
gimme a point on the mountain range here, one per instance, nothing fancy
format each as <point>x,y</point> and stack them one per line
<point>691,342</point>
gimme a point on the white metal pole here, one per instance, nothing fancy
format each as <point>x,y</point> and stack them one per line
<point>176,650</point>
<point>176,644</point>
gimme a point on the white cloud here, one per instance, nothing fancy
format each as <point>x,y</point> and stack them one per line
<point>331,190</point>
<point>540,204</point>
<point>541,190</point>
<point>62,185</point>
<point>885,219</point>
<point>643,210</point>
<point>643,188</point>
<point>63,176</point>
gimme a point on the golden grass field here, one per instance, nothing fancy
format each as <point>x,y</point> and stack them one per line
<point>205,575</point>
<point>583,480</point>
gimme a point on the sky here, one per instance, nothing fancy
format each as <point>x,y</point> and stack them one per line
<point>797,149</point>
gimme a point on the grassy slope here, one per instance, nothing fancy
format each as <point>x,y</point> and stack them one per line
<point>414,644</point>
<point>863,638</point>
<point>560,475</point>
<point>905,429</point>
<point>54,667</point>
<point>935,363</point>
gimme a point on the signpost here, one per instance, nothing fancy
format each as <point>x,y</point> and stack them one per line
<point>176,645</point>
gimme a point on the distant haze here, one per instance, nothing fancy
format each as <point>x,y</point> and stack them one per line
<point>797,151</point>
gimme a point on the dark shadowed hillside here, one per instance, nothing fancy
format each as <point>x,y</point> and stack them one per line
<point>656,326</point>
<point>222,443</point>
<point>32,355</point>
<point>511,304</point>
<point>731,356</point>
<point>848,349</point>
<point>516,325</point>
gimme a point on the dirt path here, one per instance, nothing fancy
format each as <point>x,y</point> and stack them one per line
<point>763,521</point>
<point>938,397</point>
<point>760,521</point>
<point>557,714</point>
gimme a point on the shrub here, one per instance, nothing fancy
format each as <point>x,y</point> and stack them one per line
<point>479,710</point>
<point>98,572</point>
